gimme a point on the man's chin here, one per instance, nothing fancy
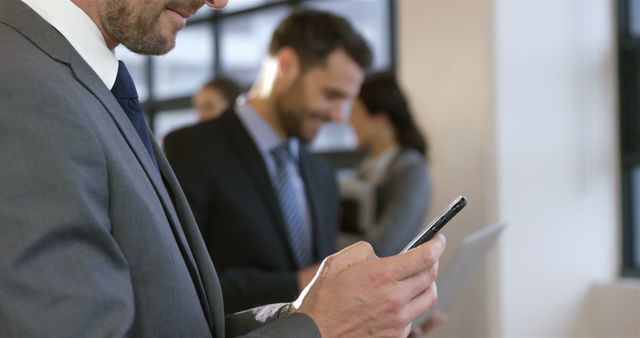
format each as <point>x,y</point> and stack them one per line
<point>309,136</point>
<point>153,45</point>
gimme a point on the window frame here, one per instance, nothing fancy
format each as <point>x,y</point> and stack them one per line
<point>629,126</point>
<point>154,105</point>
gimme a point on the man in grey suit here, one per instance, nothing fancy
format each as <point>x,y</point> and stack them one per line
<point>96,237</point>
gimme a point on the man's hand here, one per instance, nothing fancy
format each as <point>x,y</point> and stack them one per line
<point>357,294</point>
<point>306,275</point>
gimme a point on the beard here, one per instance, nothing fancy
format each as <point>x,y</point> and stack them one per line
<point>139,28</point>
<point>295,117</point>
<point>292,111</point>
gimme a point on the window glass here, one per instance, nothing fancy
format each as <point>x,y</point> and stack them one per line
<point>370,18</point>
<point>166,121</point>
<point>137,67</point>
<point>189,65</point>
<point>236,5</point>
<point>634,17</point>
<point>203,12</point>
<point>635,211</point>
<point>244,42</point>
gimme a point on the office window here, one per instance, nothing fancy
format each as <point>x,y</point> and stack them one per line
<point>244,41</point>
<point>629,86</point>
<point>190,64</point>
<point>371,19</point>
<point>245,4</point>
<point>232,42</point>
<point>634,11</point>
<point>635,219</point>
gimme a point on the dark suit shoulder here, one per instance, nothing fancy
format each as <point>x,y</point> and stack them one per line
<point>200,132</point>
<point>317,162</point>
<point>189,133</point>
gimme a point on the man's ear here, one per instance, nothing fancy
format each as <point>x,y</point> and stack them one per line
<point>288,65</point>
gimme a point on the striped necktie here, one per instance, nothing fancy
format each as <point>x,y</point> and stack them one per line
<point>298,233</point>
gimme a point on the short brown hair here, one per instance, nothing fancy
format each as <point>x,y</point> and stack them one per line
<point>315,34</point>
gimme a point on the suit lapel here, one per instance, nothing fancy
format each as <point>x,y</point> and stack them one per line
<point>257,170</point>
<point>86,76</point>
<point>212,301</point>
<point>90,80</point>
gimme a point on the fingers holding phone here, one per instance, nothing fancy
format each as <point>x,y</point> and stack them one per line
<point>356,294</point>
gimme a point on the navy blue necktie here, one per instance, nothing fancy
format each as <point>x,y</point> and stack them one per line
<point>125,92</point>
<point>298,232</point>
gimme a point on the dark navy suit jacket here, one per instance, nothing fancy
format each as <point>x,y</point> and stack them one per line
<point>228,187</point>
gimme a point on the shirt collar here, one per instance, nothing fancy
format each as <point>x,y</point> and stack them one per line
<point>263,135</point>
<point>82,33</point>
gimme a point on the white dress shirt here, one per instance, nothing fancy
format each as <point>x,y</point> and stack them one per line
<point>82,33</point>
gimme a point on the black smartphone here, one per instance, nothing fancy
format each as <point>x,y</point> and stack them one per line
<point>438,223</point>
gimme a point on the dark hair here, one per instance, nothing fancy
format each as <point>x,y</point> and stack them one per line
<point>316,34</point>
<point>227,87</point>
<point>381,94</point>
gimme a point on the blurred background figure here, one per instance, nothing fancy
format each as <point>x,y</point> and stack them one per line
<point>395,166</point>
<point>268,207</point>
<point>215,97</point>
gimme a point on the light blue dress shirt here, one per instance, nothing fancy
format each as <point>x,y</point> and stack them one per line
<point>266,139</point>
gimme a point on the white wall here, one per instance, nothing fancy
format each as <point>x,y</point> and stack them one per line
<point>445,63</point>
<point>556,113</point>
<point>519,101</point>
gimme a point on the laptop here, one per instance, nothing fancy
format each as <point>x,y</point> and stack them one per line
<point>465,263</point>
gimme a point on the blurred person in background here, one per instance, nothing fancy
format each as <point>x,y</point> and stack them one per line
<point>396,164</point>
<point>215,97</point>
<point>267,207</point>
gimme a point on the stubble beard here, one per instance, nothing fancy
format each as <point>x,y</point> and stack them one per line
<point>292,110</point>
<point>139,31</point>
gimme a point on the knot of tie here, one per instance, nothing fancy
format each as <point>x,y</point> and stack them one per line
<point>124,88</point>
<point>282,154</point>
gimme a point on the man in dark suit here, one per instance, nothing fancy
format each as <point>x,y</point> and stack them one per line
<point>227,170</point>
<point>96,237</point>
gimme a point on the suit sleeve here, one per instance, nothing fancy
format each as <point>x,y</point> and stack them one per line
<point>267,322</point>
<point>244,288</point>
<point>61,272</point>
<point>404,210</point>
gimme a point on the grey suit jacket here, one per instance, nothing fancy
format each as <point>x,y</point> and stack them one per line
<point>402,198</point>
<point>94,240</point>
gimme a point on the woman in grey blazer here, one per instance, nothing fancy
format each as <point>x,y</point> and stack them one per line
<point>396,165</point>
